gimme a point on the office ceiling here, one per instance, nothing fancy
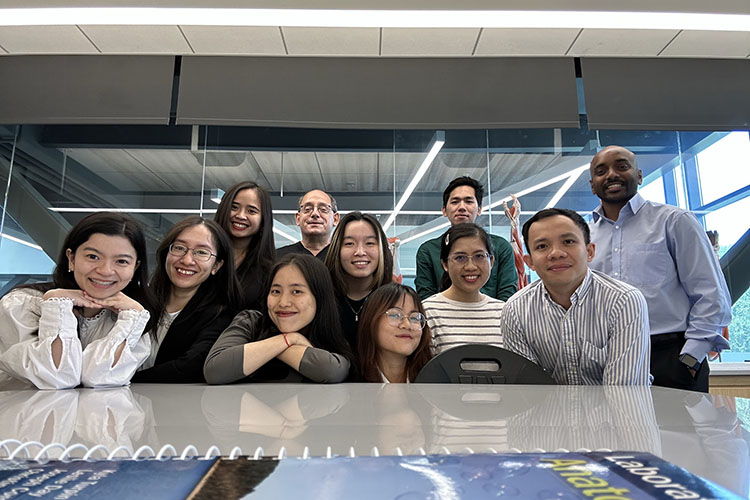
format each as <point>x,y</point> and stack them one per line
<point>387,40</point>
<point>371,42</point>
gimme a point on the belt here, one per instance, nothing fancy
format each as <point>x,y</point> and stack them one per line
<point>664,338</point>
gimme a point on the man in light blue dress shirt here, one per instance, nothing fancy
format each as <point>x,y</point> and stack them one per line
<point>664,251</point>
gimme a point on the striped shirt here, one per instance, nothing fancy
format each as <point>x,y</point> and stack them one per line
<point>456,323</point>
<point>603,338</point>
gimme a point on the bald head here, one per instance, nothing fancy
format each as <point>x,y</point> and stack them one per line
<point>316,216</point>
<point>613,150</point>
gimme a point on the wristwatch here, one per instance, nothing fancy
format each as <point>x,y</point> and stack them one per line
<point>689,361</point>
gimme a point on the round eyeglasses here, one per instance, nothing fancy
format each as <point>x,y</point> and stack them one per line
<point>478,258</point>
<point>200,254</point>
<point>396,316</point>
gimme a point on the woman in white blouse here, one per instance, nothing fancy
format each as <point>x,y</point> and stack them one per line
<point>86,326</point>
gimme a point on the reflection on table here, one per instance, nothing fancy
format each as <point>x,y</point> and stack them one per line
<point>697,431</point>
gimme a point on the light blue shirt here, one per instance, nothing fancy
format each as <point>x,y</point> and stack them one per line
<point>664,252</point>
<point>602,338</point>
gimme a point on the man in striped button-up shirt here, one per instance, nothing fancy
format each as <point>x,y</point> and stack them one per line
<point>582,326</point>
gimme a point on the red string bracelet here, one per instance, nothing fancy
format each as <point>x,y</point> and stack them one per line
<point>285,340</point>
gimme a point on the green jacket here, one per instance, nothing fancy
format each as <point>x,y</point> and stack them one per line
<point>503,280</point>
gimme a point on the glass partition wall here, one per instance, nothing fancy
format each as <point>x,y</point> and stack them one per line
<point>52,176</point>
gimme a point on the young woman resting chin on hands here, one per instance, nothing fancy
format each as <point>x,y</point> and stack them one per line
<point>295,338</point>
<point>86,326</point>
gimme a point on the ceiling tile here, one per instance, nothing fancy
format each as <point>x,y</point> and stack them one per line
<point>137,39</point>
<point>525,42</point>
<point>429,41</point>
<point>710,44</point>
<point>45,40</point>
<point>332,41</point>
<point>235,40</point>
<point>601,42</point>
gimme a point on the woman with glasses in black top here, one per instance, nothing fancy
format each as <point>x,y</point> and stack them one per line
<point>197,295</point>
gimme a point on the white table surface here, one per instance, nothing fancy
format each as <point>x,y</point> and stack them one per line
<point>699,432</point>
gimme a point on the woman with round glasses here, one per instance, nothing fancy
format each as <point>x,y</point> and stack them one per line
<point>245,213</point>
<point>394,339</point>
<point>196,294</point>
<point>461,313</point>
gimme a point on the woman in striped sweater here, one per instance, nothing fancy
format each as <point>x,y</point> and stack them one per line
<point>461,313</point>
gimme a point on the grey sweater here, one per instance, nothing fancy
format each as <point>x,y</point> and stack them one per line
<point>224,362</point>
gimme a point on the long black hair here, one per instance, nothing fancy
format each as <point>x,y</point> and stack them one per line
<point>261,250</point>
<point>324,331</point>
<point>451,236</point>
<point>108,224</point>
<point>384,272</point>
<point>221,287</point>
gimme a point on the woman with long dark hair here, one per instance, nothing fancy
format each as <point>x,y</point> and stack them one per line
<point>86,326</point>
<point>245,213</point>
<point>394,339</point>
<point>461,313</point>
<point>295,338</point>
<point>359,262</point>
<point>196,293</point>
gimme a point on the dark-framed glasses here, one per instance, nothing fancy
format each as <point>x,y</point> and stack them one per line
<point>478,258</point>
<point>322,209</point>
<point>200,254</point>
<point>396,316</point>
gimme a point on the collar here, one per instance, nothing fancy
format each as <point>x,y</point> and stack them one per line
<point>635,203</point>
<point>385,380</point>
<point>579,292</point>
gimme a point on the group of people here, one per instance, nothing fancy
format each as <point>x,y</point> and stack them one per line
<point>224,305</point>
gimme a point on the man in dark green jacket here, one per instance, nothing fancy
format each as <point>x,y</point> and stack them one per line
<point>462,202</point>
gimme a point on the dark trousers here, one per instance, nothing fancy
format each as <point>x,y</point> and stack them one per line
<point>667,369</point>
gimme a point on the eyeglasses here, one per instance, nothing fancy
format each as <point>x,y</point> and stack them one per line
<point>478,258</point>
<point>395,316</point>
<point>322,209</point>
<point>198,253</point>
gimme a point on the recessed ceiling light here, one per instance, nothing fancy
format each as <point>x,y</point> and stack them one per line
<point>374,18</point>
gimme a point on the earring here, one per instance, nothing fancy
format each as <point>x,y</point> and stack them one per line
<point>70,270</point>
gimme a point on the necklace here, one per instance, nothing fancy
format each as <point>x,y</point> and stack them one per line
<point>357,311</point>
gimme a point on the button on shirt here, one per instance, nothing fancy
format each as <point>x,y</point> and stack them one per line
<point>664,252</point>
<point>603,338</point>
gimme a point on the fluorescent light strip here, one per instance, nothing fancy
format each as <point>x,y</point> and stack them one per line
<point>85,210</point>
<point>286,235</point>
<point>419,235</point>
<point>352,18</point>
<point>565,187</point>
<point>536,187</point>
<point>22,242</point>
<point>437,145</point>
